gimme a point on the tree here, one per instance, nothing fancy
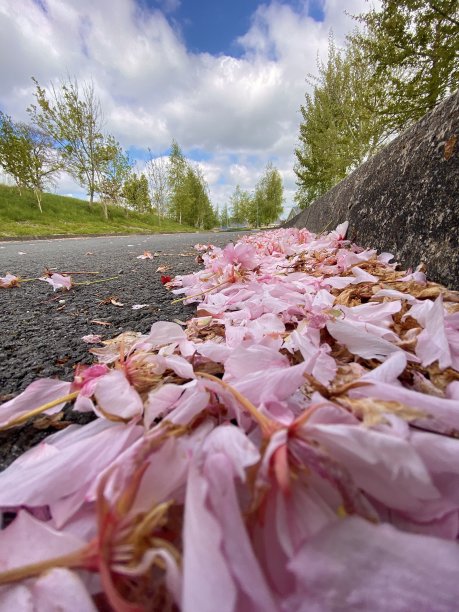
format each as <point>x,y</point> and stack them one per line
<point>157,173</point>
<point>189,200</point>
<point>136,192</point>
<point>114,169</point>
<point>71,116</point>
<point>414,45</point>
<point>199,211</point>
<point>176,182</point>
<point>224,216</point>
<point>268,198</point>
<point>27,155</point>
<point>240,203</point>
<point>341,125</point>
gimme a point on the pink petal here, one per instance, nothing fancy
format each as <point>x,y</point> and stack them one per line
<point>432,344</point>
<point>117,397</point>
<point>60,589</point>
<point>37,394</point>
<point>361,342</point>
<point>386,467</point>
<point>57,281</point>
<point>27,540</point>
<point>243,361</point>
<point>355,565</point>
<point>274,383</point>
<point>65,463</point>
<point>10,280</point>
<point>165,332</point>
<point>441,414</point>
<point>160,401</point>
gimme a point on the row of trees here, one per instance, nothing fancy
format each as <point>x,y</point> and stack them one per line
<point>261,207</point>
<point>66,133</point>
<point>401,62</point>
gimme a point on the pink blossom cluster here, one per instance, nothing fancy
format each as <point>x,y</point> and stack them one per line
<point>293,447</point>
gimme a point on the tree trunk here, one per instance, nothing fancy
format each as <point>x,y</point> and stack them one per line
<point>38,196</point>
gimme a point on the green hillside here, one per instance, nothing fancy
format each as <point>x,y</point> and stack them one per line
<point>19,216</point>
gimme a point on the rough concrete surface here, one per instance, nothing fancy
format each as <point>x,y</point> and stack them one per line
<point>405,199</point>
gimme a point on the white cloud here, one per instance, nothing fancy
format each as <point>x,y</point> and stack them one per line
<point>242,111</point>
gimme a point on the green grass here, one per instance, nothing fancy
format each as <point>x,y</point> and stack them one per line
<point>19,216</point>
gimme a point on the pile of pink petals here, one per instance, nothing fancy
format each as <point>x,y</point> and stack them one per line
<point>293,447</point>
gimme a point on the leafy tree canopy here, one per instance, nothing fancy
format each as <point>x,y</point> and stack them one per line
<point>71,116</point>
<point>26,153</point>
<point>414,45</point>
<point>341,126</point>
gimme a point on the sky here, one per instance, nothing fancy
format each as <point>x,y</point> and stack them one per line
<point>224,78</point>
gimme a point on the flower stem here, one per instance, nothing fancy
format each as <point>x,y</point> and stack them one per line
<point>190,297</point>
<point>28,415</point>
<point>266,424</point>
<point>75,559</point>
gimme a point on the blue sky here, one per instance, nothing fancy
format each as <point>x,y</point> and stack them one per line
<point>224,78</point>
<point>213,26</point>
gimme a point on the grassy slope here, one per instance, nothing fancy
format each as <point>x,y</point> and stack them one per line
<point>19,216</point>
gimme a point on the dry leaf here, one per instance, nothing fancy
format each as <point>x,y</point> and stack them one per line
<point>114,347</point>
<point>107,323</point>
<point>372,411</point>
<point>54,420</point>
<point>116,303</point>
<point>146,255</point>
<point>128,337</point>
<point>162,268</point>
<point>449,147</point>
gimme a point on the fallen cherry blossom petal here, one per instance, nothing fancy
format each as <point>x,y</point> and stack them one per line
<point>10,280</point>
<point>92,338</point>
<point>58,281</point>
<point>295,446</point>
<point>38,393</point>
<point>394,570</point>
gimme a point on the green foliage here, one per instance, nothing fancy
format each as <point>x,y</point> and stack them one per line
<point>224,216</point>
<point>189,200</point>
<point>241,205</point>
<point>176,180</point>
<point>136,193</point>
<point>61,215</point>
<point>71,117</point>
<point>114,169</point>
<point>27,155</point>
<point>341,126</point>
<point>268,199</point>
<point>414,45</point>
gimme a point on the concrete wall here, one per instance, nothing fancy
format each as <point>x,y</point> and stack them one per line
<point>405,199</point>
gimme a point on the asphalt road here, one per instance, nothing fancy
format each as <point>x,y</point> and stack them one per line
<point>41,331</point>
